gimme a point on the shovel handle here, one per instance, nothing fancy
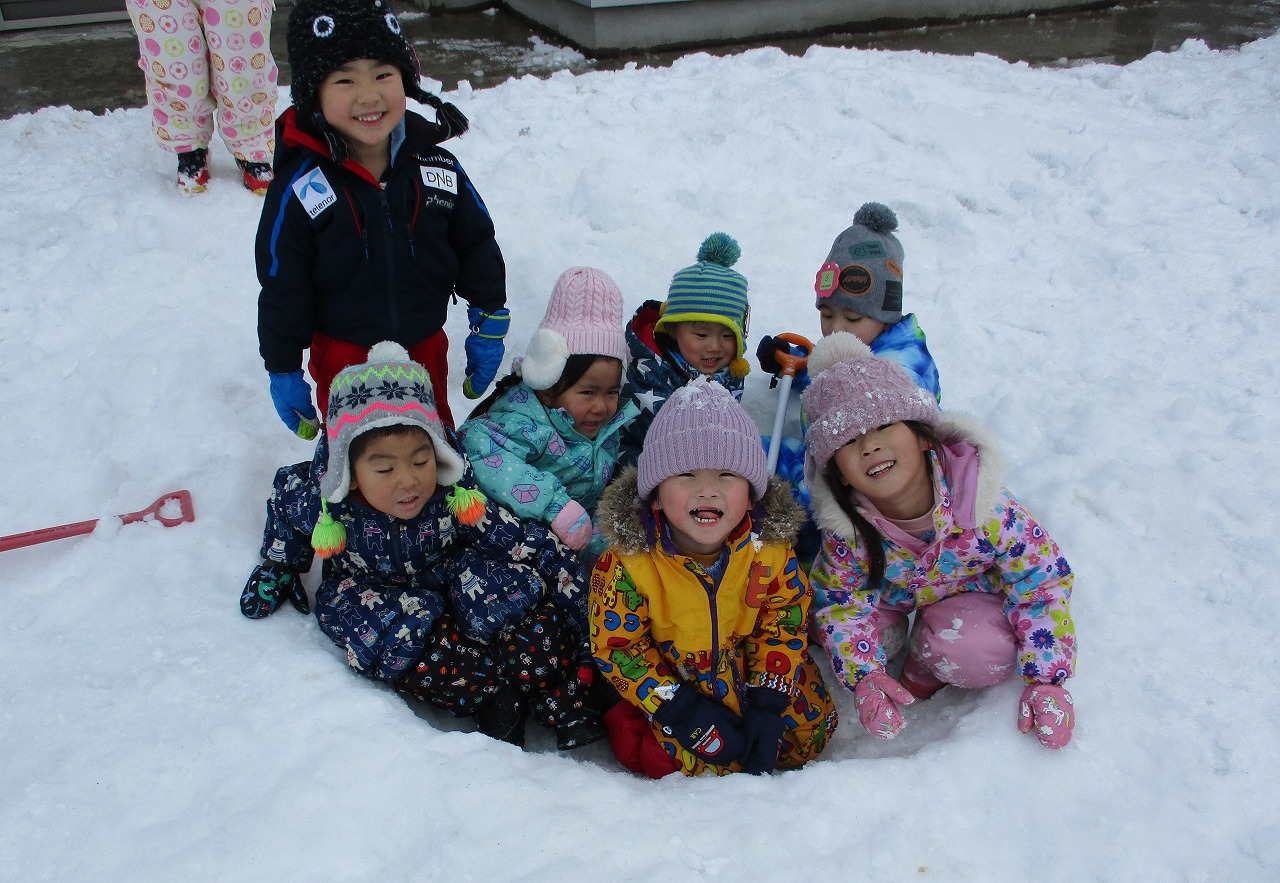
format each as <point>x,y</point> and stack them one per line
<point>793,363</point>
<point>186,512</point>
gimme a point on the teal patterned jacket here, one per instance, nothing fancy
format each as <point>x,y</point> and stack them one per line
<point>530,460</point>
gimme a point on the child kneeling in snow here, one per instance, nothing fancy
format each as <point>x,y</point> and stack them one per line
<point>914,520</point>
<point>698,609</point>
<point>426,585</point>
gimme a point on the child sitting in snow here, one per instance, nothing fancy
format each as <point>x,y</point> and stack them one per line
<point>699,332</point>
<point>426,585</point>
<point>698,608</point>
<point>914,520</point>
<point>859,289</point>
<point>545,443</point>
<point>370,227</point>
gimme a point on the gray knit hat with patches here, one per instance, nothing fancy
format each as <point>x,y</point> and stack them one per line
<point>863,270</point>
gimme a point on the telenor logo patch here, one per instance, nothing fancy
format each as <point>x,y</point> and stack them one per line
<point>315,192</point>
<point>440,179</point>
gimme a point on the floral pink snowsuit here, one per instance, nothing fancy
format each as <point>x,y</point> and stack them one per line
<point>986,548</point>
<point>208,64</point>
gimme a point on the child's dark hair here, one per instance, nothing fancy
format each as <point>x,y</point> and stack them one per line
<point>362,441</point>
<point>574,368</point>
<point>872,541</point>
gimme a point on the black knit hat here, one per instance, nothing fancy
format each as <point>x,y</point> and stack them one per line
<point>324,34</point>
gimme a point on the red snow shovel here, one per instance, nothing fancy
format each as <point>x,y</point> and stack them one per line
<point>155,511</point>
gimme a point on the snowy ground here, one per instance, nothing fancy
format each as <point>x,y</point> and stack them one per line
<point>1093,253</point>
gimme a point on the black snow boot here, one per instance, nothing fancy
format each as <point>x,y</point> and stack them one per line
<point>503,716</point>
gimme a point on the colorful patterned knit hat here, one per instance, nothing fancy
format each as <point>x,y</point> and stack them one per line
<point>325,34</point>
<point>584,317</point>
<point>702,426</point>
<point>387,390</point>
<point>709,291</point>
<point>851,391</point>
<point>863,271</point>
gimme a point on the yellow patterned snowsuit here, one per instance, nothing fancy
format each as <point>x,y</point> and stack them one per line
<point>657,619</point>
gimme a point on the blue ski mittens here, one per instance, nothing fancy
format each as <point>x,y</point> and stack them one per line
<point>484,348</point>
<point>291,395</point>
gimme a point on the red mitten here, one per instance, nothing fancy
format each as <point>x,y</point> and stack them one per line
<point>1047,709</point>
<point>877,698</point>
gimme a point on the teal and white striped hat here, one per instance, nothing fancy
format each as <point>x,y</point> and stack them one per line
<point>709,291</point>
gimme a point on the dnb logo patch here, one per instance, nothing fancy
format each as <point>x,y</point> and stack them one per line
<point>314,192</point>
<point>438,178</point>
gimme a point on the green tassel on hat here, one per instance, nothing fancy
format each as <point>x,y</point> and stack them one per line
<point>329,537</point>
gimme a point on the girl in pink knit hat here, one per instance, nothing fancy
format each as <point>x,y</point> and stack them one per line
<point>915,523</point>
<point>545,443</point>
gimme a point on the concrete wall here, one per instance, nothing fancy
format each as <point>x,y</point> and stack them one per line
<point>603,25</point>
<point>16,14</point>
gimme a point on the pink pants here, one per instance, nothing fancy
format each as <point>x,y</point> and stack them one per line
<point>965,640</point>
<point>208,64</point>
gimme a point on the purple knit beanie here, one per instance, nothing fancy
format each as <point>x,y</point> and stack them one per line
<point>584,317</point>
<point>853,391</point>
<point>702,426</point>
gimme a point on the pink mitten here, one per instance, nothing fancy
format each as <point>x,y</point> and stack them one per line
<point>573,526</point>
<point>877,698</point>
<point>1047,708</point>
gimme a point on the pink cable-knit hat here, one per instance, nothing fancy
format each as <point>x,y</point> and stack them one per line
<point>584,317</point>
<point>702,426</point>
<point>852,392</point>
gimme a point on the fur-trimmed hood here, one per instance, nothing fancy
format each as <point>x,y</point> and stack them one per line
<point>626,521</point>
<point>963,436</point>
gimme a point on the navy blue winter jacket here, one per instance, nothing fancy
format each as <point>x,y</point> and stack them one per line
<point>362,263</point>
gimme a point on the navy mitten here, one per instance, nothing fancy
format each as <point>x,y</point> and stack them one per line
<point>763,726</point>
<point>701,725</point>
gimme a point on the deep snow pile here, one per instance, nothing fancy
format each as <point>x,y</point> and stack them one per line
<point>1093,254</point>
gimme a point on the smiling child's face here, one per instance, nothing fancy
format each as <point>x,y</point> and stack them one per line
<point>364,101</point>
<point>702,507</point>
<point>887,465</point>
<point>706,346</point>
<point>593,399</point>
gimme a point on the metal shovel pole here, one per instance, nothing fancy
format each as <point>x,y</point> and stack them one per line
<point>791,364</point>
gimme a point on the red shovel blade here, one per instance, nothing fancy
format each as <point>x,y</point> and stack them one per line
<point>170,510</point>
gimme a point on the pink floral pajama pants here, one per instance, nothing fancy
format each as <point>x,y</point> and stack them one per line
<point>208,64</point>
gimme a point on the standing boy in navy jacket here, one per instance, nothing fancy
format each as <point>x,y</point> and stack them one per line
<point>370,228</point>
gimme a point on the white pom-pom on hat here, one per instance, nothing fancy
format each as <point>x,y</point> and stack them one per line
<point>838,347</point>
<point>544,360</point>
<point>388,351</point>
